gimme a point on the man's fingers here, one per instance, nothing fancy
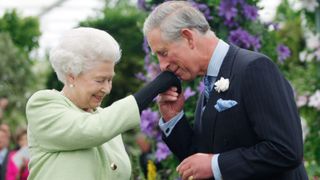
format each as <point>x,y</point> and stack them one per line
<point>168,96</point>
<point>185,164</point>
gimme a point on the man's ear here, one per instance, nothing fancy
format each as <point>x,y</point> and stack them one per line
<point>188,35</point>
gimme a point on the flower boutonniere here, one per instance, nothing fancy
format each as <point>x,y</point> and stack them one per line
<point>221,85</point>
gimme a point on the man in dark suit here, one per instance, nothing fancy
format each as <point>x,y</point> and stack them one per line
<point>246,122</point>
<point>4,142</point>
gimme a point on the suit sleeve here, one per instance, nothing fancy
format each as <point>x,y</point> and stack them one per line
<point>268,100</point>
<point>180,140</point>
<point>55,127</point>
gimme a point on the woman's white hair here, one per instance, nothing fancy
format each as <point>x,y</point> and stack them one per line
<point>81,48</point>
<point>172,16</point>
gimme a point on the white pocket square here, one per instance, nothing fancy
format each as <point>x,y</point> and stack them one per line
<point>222,105</point>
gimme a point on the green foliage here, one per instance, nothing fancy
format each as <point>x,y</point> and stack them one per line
<point>18,36</point>
<point>304,76</point>
<point>24,32</point>
<point>15,75</point>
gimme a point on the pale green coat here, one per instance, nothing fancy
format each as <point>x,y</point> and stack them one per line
<point>67,143</point>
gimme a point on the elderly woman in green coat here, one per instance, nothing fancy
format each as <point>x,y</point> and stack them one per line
<point>70,136</point>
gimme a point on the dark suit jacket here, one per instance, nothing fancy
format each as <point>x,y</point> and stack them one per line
<point>3,167</point>
<point>260,137</point>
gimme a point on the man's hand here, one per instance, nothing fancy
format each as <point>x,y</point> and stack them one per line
<point>170,103</point>
<point>197,166</point>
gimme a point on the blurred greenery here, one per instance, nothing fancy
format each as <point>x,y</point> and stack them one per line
<point>18,37</point>
<point>24,31</point>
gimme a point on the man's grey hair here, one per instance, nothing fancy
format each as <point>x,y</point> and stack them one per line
<point>81,48</point>
<point>172,16</point>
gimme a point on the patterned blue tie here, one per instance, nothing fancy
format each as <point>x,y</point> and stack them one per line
<point>208,80</point>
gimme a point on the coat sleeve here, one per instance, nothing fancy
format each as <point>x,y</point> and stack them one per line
<point>56,127</point>
<point>180,141</point>
<point>271,110</point>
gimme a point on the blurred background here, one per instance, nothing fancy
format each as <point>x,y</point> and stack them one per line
<point>288,31</point>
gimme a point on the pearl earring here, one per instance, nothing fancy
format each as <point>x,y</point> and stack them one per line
<point>71,85</point>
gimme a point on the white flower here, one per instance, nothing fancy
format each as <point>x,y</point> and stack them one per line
<point>312,40</point>
<point>301,101</point>
<point>310,5</point>
<point>305,128</point>
<point>221,85</point>
<point>314,100</point>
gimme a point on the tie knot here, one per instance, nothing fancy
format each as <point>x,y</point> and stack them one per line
<point>208,81</point>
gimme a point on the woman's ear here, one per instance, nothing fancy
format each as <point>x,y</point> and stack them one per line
<point>70,79</point>
<point>188,35</point>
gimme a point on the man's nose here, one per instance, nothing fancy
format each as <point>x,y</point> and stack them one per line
<point>164,65</point>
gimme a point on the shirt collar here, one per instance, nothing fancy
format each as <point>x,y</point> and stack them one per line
<point>217,58</point>
<point>3,154</point>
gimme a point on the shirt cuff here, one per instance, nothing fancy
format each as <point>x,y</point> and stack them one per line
<point>215,167</point>
<point>166,127</point>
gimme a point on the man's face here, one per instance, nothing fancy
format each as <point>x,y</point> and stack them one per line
<point>177,57</point>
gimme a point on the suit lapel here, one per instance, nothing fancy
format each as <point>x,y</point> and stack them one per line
<point>199,108</point>
<point>210,113</point>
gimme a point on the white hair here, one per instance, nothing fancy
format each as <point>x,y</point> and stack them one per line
<point>172,16</point>
<point>80,48</point>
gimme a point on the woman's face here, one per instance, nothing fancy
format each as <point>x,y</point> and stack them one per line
<point>91,86</point>
<point>23,140</point>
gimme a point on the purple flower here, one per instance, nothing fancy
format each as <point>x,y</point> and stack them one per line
<point>283,52</point>
<point>244,39</point>
<point>142,4</point>
<point>162,151</point>
<point>188,93</point>
<point>250,12</point>
<point>230,23</point>
<point>255,43</point>
<point>153,70</point>
<point>147,61</point>
<point>149,123</point>
<point>145,46</point>
<point>141,76</point>
<point>228,10</point>
<point>201,87</point>
<point>203,8</point>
